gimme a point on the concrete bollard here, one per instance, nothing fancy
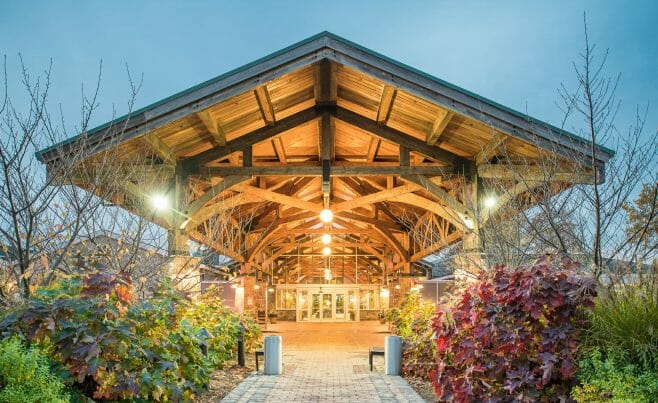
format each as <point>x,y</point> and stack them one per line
<point>273,352</point>
<point>393,355</point>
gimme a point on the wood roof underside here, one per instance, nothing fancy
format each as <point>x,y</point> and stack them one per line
<point>251,155</point>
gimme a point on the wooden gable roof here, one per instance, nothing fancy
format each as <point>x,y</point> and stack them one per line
<point>255,140</point>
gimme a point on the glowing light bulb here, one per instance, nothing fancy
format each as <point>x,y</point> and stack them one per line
<point>326,239</point>
<point>490,202</point>
<point>257,287</point>
<point>326,215</point>
<point>159,202</point>
<point>326,251</point>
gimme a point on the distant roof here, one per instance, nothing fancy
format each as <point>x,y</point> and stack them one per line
<point>326,45</point>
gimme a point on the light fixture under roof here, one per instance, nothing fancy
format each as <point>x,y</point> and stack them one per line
<point>326,239</point>
<point>159,202</point>
<point>326,215</point>
<point>490,201</point>
<point>326,251</point>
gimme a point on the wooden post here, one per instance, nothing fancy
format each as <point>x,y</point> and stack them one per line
<point>183,268</point>
<point>469,262</point>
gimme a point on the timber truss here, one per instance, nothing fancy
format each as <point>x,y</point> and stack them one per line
<point>251,158</point>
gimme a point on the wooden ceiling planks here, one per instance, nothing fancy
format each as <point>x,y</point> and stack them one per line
<point>269,200</point>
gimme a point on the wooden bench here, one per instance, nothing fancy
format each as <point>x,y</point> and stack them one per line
<point>373,352</point>
<point>259,353</point>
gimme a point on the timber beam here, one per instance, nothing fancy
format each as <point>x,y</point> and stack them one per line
<point>398,137</point>
<point>164,152</point>
<point>212,126</point>
<point>533,173</point>
<point>439,126</point>
<point>191,165</point>
<point>336,170</point>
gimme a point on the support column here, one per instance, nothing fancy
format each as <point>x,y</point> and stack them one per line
<point>469,262</point>
<point>405,285</point>
<point>183,267</point>
<point>249,282</point>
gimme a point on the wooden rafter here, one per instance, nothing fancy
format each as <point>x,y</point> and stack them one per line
<point>373,147</point>
<point>489,149</point>
<point>199,237</point>
<point>212,126</point>
<point>386,104</point>
<point>194,206</point>
<point>374,198</point>
<point>162,150</point>
<point>192,164</point>
<point>265,104</point>
<point>279,198</point>
<point>450,239</point>
<point>450,201</point>
<point>438,127</point>
<point>208,211</point>
<point>397,137</point>
<point>429,205</point>
<point>280,151</point>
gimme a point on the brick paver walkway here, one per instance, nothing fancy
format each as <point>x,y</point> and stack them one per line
<point>326,362</point>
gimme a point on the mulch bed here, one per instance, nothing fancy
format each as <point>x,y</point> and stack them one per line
<point>423,388</point>
<point>225,380</point>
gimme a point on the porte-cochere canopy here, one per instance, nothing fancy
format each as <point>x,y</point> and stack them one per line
<point>324,123</point>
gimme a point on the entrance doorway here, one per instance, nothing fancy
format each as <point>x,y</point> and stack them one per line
<point>327,304</point>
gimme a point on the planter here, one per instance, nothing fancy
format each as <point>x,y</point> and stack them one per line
<point>273,319</point>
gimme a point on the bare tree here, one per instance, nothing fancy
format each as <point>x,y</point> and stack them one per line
<point>566,202</point>
<point>42,213</point>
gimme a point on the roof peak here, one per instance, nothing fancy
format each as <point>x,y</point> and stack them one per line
<point>328,45</point>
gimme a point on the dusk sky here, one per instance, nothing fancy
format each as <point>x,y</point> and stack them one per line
<point>514,52</point>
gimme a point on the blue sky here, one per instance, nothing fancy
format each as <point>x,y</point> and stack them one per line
<point>514,52</point>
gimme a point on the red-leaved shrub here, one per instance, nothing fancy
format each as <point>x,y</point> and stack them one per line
<point>512,335</point>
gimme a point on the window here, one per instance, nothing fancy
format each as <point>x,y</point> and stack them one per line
<point>286,299</point>
<point>369,300</point>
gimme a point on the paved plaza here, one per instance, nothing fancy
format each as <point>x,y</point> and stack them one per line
<point>326,362</point>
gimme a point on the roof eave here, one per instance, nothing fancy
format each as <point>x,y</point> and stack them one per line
<point>330,46</point>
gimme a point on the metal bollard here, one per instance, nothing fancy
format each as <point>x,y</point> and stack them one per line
<point>393,355</point>
<point>204,345</point>
<point>273,352</point>
<point>241,360</point>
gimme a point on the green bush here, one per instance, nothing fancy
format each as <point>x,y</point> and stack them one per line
<point>25,375</point>
<point>623,325</point>
<point>606,380</point>
<point>115,347</point>
<point>620,347</point>
<point>222,326</point>
<point>412,321</point>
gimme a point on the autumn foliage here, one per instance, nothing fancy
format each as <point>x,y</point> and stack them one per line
<point>512,335</point>
<point>110,345</point>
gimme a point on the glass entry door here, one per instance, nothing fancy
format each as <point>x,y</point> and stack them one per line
<point>327,306</point>
<point>339,303</point>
